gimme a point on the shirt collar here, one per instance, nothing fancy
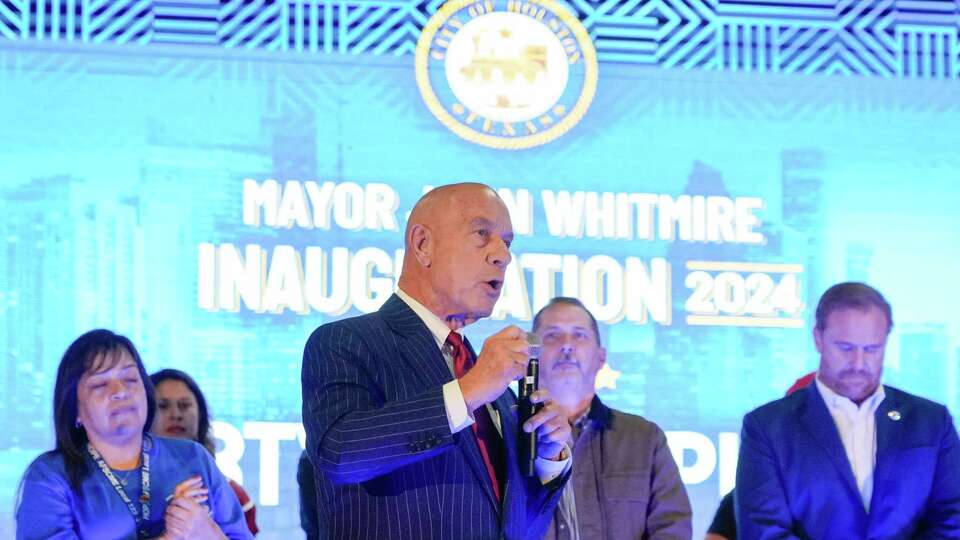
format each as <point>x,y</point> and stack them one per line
<point>600,416</point>
<point>836,401</point>
<point>581,420</point>
<point>437,327</point>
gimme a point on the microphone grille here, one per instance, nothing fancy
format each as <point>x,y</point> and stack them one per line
<point>534,343</point>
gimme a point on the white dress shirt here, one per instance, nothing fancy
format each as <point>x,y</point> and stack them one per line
<point>858,432</point>
<point>457,414</point>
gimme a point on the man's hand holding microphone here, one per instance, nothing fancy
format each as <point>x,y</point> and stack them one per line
<point>504,358</point>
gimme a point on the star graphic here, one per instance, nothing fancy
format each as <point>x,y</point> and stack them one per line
<point>607,378</point>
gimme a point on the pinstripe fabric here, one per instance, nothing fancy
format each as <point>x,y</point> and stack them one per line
<point>387,465</point>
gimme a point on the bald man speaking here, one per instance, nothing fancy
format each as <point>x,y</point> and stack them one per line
<point>412,434</point>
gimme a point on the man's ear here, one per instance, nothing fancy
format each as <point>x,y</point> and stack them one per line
<point>818,340</point>
<point>421,243</point>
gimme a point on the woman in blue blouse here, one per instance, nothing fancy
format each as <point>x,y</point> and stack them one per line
<point>107,478</point>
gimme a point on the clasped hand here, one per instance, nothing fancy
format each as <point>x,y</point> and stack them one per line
<point>186,516</point>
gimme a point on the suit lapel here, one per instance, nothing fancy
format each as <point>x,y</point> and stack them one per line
<point>819,424</point>
<point>418,348</point>
<point>467,443</point>
<point>888,432</point>
<point>506,407</point>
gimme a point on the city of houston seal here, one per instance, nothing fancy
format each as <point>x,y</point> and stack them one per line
<point>506,74</point>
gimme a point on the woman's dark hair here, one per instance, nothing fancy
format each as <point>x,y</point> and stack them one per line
<point>81,356</point>
<point>204,436</point>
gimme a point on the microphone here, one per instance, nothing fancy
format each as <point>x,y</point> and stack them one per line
<point>527,444</point>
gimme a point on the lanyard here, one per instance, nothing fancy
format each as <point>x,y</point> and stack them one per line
<point>144,515</point>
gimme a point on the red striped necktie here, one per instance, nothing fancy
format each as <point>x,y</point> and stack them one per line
<point>489,441</point>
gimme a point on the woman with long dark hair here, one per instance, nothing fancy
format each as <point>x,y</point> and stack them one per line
<point>182,413</point>
<point>107,477</point>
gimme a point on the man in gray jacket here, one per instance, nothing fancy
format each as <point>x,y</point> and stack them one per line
<point>625,483</point>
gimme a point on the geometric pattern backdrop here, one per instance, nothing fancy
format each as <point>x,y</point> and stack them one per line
<point>871,38</point>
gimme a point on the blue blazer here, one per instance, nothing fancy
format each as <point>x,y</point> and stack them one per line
<point>794,479</point>
<point>387,465</point>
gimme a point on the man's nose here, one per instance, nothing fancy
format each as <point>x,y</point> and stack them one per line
<point>859,358</point>
<point>500,253</point>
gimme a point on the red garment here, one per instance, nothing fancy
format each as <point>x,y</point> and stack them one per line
<point>802,382</point>
<point>246,503</point>
<point>489,441</point>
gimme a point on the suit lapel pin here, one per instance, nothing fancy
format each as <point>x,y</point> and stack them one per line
<point>894,415</point>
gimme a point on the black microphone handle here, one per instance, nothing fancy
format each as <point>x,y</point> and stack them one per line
<point>527,444</point>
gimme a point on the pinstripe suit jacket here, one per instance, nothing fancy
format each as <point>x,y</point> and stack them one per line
<point>387,465</point>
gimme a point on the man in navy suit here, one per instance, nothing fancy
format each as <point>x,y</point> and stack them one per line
<point>411,433</point>
<point>847,457</point>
